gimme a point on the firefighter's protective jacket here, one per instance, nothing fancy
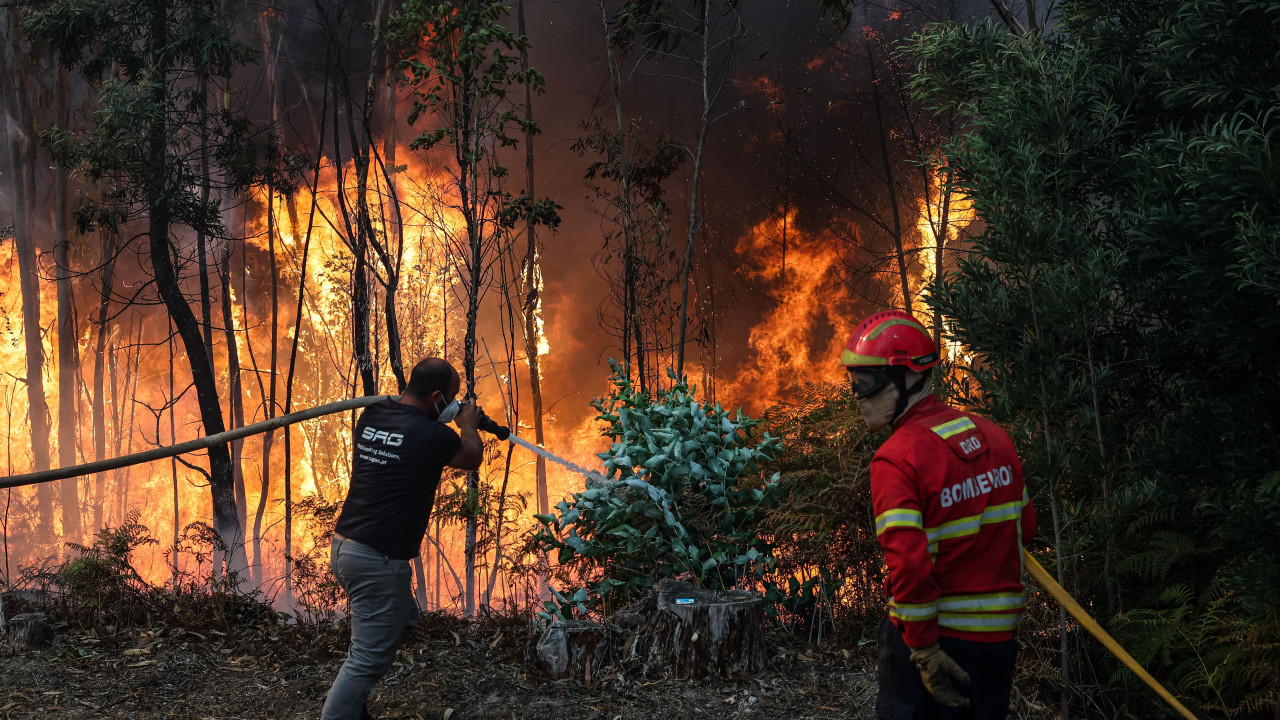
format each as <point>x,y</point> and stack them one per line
<point>951,514</point>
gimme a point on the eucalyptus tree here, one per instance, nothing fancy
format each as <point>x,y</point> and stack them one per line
<point>704,41</point>
<point>1121,306</point>
<point>17,61</point>
<point>462,66</point>
<point>149,63</point>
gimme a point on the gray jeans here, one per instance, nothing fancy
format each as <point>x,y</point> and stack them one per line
<point>383,614</point>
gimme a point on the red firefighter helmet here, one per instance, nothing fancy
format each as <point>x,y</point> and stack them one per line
<point>891,338</point>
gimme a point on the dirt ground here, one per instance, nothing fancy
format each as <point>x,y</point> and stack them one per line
<point>449,668</point>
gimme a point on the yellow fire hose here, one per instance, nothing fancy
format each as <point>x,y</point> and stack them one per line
<point>1046,580</point>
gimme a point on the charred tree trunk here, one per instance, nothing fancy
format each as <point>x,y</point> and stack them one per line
<point>168,284</point>
<point>676,631</point>
<point>696,212</point>
<point>206,310</point>
<point>173,461</point>
<point>27,631</point>
<point>574,650</point>
<point>718,634</point>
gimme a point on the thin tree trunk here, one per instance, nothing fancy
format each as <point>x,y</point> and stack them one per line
<point>631,324</point>
<point>1064,655</point>
<point>1108,557</point>
<point>23,155</point>
<point>221,481</point>
<point>124,441</point>
<point>436,585</point>
<point>466,150</point>
<point>235,400</point>
<point>944,227</point>
<point>68,355</point>
<point>99,362</point>
<point>173,461</point>
<point>206,312</point>
<point>533,297</point>
<point>269,396</point>
<point>895,213</point>
<point>497,530</point>
<point>113,369</point>
<point>695,218</point>
<point>293,349</point>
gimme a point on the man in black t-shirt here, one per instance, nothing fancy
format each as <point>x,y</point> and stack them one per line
<point>401,447</point>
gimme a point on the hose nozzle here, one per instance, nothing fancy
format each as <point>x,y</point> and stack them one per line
<point>490,426</point>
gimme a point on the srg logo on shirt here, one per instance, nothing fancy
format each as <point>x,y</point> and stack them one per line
<point>382,436</point>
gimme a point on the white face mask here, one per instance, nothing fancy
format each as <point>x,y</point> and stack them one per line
<point>449,412</point>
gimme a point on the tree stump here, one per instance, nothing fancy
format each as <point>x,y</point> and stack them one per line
<point>574,649</point>
<point>680,631</point>
<point>28,631</point>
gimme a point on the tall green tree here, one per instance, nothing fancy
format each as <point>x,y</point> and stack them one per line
<point>463,68</point>
<point>1121,305</point>
<point>151,64</point>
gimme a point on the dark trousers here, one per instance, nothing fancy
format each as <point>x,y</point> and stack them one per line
<point>902,693</point>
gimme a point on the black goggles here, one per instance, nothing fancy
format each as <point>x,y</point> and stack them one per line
<point>869,381</point>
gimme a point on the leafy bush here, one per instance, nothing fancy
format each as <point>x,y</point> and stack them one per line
<point>100,580</point>
<point>315,590</point>
<point>1119,305</point>
<point>829,572</point>
<point>681,500</point>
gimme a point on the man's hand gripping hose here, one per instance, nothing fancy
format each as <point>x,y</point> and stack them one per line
<point>502,432</point>
<point>937,670</point>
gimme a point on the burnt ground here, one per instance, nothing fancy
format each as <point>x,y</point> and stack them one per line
<point>448,669</point>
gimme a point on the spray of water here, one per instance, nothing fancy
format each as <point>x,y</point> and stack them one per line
<point>589,474</point>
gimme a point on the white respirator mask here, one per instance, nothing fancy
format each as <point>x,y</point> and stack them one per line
<point>449,412</point>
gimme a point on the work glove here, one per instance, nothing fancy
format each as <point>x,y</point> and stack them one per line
<point>937,669</point>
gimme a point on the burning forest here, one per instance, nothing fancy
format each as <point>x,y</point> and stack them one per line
<point>646,235</point>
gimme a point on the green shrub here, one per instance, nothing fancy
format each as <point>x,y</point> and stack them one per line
<point>100,582</point>
<point>829,572</point>
<point>682,499</point>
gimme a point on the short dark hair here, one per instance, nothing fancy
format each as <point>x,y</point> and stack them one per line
<point>428,376</point>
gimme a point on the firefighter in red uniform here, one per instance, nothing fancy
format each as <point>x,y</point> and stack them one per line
<point>951,514</point>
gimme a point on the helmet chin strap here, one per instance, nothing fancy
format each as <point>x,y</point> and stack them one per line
<point>905,394</point>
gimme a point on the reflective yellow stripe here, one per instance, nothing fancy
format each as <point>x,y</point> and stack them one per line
<point>955,427</point>
<point>912,612</point>
<point>880,328</point>
<point>898,517</point>
<point>1002,512</point>
<point>987,602</point>
<point>852,358</point>
<point>980,622</point>
<point>966,526</point>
